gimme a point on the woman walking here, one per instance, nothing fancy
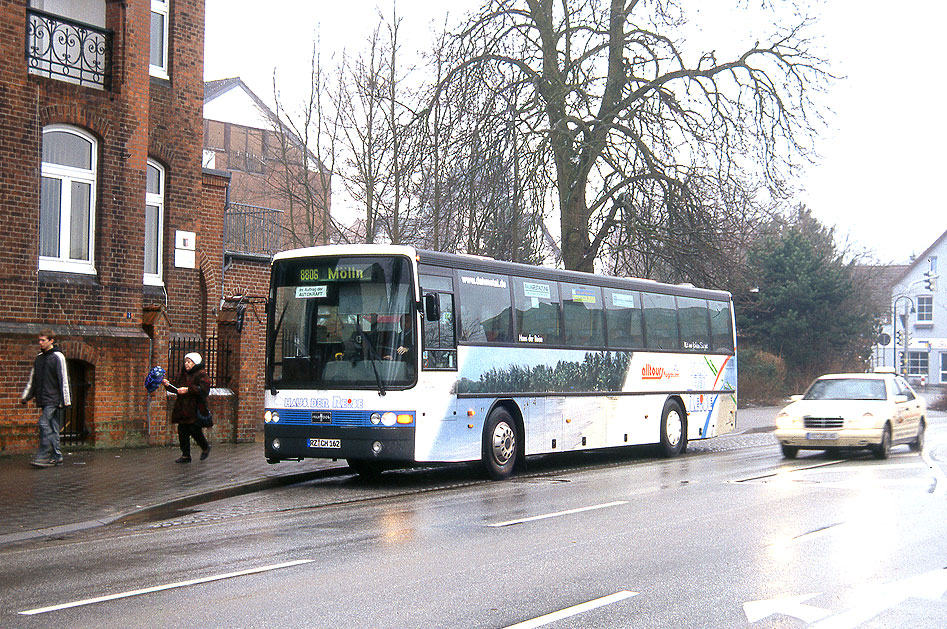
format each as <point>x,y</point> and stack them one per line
<point>192,387</point>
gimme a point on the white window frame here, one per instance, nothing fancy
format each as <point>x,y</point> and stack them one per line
<point>918,362</point>
<point>156,200</point>
<point>66,176</point>
<point>925,313</point>
<point>161,8</point>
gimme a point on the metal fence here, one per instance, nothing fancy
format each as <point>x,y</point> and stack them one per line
<point>68,50</point>
<point>217,358</point>
<point>254,230</point>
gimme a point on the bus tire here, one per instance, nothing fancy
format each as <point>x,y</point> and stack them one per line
<point>673,429</point>
<point>500,444</point>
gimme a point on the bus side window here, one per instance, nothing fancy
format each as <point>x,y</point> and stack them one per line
<point>660,321</point>
<point>695,323</point>
<point>485,308</point>
<point>439,350</point>
<point>623,319</point>
<point>537,311</point>
<point>721,328</point>
<point>582,315</point>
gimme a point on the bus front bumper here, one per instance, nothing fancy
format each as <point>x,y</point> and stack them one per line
<point>334,442</point>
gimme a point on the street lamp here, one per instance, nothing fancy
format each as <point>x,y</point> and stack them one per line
<point>894,329</point>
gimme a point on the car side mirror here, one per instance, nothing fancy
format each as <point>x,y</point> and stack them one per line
<point>432,307</point>
<point>900,399</point>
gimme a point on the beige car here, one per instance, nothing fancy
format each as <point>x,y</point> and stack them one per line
<point>853,410</point>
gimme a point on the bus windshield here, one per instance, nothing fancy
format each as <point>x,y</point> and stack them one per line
<point>342,323</point>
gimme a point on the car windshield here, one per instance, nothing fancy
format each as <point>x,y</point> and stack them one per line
<point>846,389</point>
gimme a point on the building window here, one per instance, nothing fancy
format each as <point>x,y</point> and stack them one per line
<point>917,363</point>
<point>925,308</point>
<point>67,200</point>
<point>154,220</point>
<point>159,39</point>
<point>943,368</point>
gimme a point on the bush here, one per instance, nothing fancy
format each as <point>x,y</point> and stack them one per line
<point>762,377</point>
<point>940,402</point>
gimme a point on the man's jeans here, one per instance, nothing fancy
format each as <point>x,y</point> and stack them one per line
<point>50,423</point>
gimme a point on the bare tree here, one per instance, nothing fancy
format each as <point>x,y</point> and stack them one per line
<point>302,159</point>
<point>631,126</point>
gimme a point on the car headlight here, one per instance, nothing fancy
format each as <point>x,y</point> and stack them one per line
<point>784,421</point>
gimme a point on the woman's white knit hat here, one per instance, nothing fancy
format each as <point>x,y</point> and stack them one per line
<point>195,358</point>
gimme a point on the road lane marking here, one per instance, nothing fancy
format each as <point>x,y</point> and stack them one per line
<point>573,611</point>
<point>558,513</point>
<point>940,479</point>
<point>159,588</point>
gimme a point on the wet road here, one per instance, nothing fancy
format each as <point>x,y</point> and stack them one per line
<point>728,535</point>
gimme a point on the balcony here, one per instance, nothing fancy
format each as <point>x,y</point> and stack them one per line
<point>252,231</point>
<point>68,50</point>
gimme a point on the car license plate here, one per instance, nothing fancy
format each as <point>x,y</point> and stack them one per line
<point>816,436</point>
<point>325,443</point>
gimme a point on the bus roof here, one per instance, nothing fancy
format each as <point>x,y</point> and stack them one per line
<point>490,265</point>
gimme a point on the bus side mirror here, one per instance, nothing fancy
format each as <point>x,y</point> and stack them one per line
<point>432,308</point>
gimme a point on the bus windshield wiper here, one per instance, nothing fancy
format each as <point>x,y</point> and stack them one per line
<point>374,361</point>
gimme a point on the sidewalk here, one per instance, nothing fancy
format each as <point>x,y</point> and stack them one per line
<point>97,487</point>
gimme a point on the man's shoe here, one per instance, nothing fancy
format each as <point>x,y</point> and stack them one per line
<point>205,453</point>
<point>38,463</point>
<point>56,461</point>
<point>183,459</point>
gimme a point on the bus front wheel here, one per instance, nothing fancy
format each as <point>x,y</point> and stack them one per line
<point>500,444</point>
<point>673,429</point>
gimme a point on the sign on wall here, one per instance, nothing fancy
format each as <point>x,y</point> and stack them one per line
<point>185,246</point>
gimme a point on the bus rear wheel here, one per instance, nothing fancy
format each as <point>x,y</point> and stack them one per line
<point>673,429</point>
<point>500,444</point>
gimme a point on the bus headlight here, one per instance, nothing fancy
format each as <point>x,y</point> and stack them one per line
<point>389,419</point>
<point>376,418</point>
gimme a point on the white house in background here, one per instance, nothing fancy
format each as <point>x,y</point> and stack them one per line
<point>916,332</point>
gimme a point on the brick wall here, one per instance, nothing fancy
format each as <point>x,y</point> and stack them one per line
<point>108,320</point>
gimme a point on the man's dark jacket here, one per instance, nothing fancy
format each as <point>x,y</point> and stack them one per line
<point>49,380</point>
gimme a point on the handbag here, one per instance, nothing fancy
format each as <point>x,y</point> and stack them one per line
<point>204,417</point>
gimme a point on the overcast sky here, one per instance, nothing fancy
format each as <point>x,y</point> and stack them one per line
<point>878,179</point>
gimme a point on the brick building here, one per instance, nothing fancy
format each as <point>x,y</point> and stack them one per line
<point>279,193</point>
<point>113,231</point>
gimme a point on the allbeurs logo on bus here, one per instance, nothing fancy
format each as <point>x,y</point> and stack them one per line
<point>650,372</point>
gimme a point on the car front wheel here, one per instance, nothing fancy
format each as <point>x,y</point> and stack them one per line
<point>918,444</point>
<point>883,449</point>
<point>789,452</point>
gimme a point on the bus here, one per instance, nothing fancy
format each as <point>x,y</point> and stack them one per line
<point>387,356</point>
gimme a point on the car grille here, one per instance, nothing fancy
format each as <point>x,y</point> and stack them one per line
<point>824,422</point>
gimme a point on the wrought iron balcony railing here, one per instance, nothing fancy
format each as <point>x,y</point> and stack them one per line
<point>253,230</point>
<point>68,50</point>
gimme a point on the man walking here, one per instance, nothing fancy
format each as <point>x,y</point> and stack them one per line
<point>49,387</point>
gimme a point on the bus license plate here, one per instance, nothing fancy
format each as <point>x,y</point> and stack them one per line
<point>325,443</point>
<point>816,436</point>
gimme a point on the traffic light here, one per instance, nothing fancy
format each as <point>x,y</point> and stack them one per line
<point>930,281</point>
<point>899,337</point>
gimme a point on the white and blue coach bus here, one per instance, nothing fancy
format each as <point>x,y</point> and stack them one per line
<point>511,360</point>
